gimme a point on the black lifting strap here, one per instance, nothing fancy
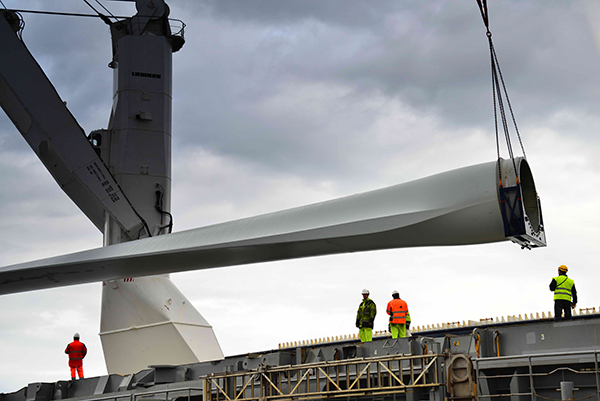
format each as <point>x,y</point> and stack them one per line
<point>484,13</point>
<point>498,87</point>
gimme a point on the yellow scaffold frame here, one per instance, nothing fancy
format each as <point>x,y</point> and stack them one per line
<point>327,379</point>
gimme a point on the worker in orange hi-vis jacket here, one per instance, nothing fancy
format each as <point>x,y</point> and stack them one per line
<point>399,316</point>
<point>76,351</point>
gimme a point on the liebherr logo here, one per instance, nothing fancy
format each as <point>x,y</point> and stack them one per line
<point>145,75</point>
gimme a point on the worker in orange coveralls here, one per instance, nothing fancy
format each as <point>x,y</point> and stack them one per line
<point>76,351</point>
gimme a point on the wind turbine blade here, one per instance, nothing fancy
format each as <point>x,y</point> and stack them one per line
<point>458,207</point>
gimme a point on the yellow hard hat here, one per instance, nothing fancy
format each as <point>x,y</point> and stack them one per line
<point>563,268</point>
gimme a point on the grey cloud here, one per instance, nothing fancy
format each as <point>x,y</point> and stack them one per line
<point>433,58</point>
<point>361,13</point>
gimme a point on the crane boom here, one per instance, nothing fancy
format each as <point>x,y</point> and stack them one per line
<point>42,117</point>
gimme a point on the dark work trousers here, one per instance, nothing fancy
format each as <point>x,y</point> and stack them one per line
<point>561,305</point>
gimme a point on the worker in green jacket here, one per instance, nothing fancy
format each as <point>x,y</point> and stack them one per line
<point>365,317</point>
<point>565,294</point>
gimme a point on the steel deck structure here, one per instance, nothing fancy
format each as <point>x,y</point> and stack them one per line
<point>514,361</point>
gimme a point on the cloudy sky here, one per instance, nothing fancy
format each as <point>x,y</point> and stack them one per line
<point>279,104</point>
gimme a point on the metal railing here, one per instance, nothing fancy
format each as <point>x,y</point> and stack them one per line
<point>529,362</point>
<point>187,392</point>
<point>346,378</point>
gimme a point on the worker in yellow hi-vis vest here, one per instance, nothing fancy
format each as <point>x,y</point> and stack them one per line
<point>565,294</point>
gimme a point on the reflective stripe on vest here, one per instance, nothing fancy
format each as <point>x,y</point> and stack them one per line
<point>76,350</point>
<point>563,289</point>
<point>398,311</point>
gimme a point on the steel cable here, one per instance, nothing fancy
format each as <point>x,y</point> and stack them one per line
<point>498,87</point>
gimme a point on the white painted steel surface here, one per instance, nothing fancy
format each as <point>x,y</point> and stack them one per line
<point>148,321</point>
<point>458,207</point>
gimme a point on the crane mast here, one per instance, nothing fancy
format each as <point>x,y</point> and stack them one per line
<point>159,325</point>
<point>139,130</point>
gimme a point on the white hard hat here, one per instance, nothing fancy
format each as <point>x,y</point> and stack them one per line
<point>365,291</point>
<point>76,335</point>
<point>395,292</point>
